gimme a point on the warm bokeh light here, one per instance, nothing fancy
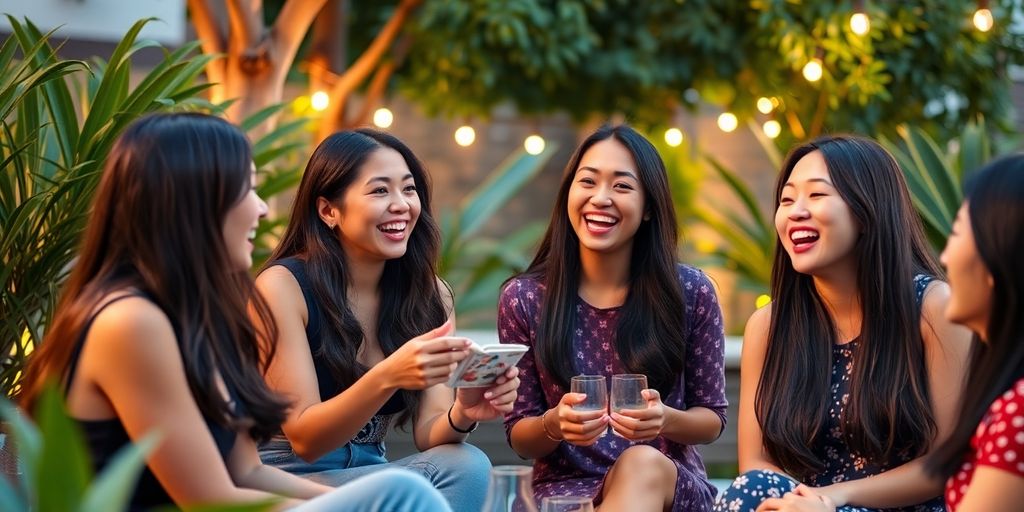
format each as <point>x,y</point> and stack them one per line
<point>673,137</point>
<point>534,144</point>
<point>765,105</point>
<point>983,20</point>
<point>383,117</point>
<point>813,70</point>
<point>465,135</point>
<point>705,246</point>
<point>727,121</point>
<point>319,101</point>
<point>762,301</point>
<point>771,128</point>
<point>860,24</point>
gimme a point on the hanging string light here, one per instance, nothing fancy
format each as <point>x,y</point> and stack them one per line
<point>771,128</point>
<point>727,122</point>
<point>319,101</point>
<point>765,105</point>
<point>465,135</point>
<point>673,136</point>
<point>813,70</point>
<point>860,23</point>
<point>983,20</point>
<point>383,117</point>
<point>534,144</point>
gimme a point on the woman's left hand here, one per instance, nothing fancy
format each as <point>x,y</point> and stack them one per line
<point>482,404</point>
<point>641,424</point>
<point>802,499</point>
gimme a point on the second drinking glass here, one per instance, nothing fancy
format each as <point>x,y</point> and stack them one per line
<point>626,392</point>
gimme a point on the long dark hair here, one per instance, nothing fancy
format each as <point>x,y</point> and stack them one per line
<point>156,226</point>
<point>995,203</point>
<point>650,336</point>
<point>410,301</point>
<point>889,411</point>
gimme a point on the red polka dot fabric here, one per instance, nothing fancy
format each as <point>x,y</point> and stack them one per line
<point>998,443</point>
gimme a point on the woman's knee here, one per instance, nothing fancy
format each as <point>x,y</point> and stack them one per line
<point>462,457</point>
<point>643,460</point>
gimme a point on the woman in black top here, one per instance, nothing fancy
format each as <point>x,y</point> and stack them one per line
<point>152,332</point>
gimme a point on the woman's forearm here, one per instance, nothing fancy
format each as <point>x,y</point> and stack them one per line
<point>697,425</point>
<point>903,486</point>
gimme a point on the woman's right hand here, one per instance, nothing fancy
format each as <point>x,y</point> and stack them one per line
<point>425,360</point>
<point>581,428</point>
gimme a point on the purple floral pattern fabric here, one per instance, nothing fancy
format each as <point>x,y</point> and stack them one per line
<point>579,471</point>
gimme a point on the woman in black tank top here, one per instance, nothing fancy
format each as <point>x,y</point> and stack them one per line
<point>152,331</point>
<point>365,325</point>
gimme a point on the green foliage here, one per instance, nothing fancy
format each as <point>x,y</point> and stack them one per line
<point>280,156</point>
<point>52,150</point>
<point>56,474</point>
<point>921,63</point>
<point>748,237</point>
<point>935,177</point>
<point>476,266</point>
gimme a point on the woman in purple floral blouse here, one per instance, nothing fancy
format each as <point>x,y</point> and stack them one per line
<point>605,295</point>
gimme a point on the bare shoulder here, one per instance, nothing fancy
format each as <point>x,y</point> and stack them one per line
<point>133,329</point>
<point>279,288</point>
<point>936,330</point>
<point>756,330</point>
<point>278,280</point>
<point>447,296</point>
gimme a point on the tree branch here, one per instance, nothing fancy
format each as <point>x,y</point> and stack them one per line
<point>246,24</point>
<point>363,66</point>
<point>291,26</point>
<point>818,121</point>
<point>211,39</point>
<point>374,92</point>
<point>379,83</point>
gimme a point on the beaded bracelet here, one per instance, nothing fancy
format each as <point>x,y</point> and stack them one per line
<point>457,429</point>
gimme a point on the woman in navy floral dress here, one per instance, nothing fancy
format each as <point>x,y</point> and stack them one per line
<point>852,374</point>
<point>605,295</point>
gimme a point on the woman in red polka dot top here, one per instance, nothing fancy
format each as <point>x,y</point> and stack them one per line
<point>984,458</point>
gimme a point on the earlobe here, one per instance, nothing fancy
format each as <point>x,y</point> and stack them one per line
<point>327,212</point>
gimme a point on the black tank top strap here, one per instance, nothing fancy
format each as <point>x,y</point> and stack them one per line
<point>76,353</point>
<point>297,268</point>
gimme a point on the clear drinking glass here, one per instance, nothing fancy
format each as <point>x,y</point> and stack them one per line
<point>566,504</point>
<point>626,392</point>
<point>511,490</point>
<point>596,389</point>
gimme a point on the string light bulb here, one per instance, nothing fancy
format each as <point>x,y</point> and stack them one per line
<point>465,135</point>
<point>319,101</point>
<point>813,70</point>
<point>673,137</point>
<point>534,144</point>
<point>983,20</point>
<point>860,24</point>
<point>727,122</point>
<point>771,128</point>
<point>765,105</point>
<point>383,117</point>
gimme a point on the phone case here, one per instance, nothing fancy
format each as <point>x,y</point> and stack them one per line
<point>485,364</point>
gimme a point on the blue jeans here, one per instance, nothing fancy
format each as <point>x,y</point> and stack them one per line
<point>393,490</point>
<point>460,471</point>
<point>751,488</point>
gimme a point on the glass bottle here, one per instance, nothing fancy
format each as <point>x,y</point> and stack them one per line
<point>511,490</point>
